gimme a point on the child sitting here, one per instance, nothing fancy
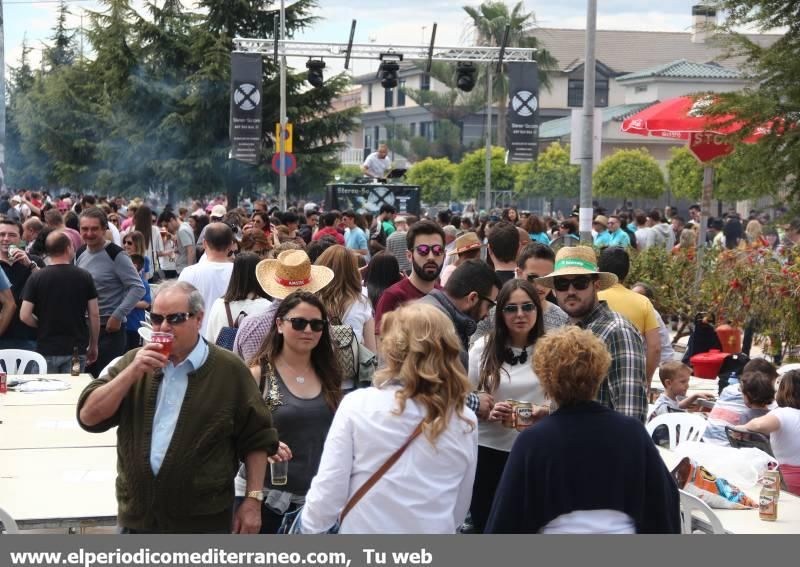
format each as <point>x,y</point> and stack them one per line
<point>739,403</point>
<point>675,376</point>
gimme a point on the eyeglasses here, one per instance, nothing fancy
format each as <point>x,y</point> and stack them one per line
<point>300,324</point>
<point>425,249</point>
<point>513,308</point>
<point>580,283</point>
<point>492,303</point>
<point>532,277</point>
<point>172,318</point>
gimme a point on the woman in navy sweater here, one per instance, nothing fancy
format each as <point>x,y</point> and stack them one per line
<point>584,468</point>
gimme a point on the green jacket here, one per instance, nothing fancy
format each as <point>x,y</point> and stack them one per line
<point>222,419</point>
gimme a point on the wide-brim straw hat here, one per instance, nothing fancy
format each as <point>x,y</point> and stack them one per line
<point>577,261</point>
<point>291,271</point>
<point>464,243</point>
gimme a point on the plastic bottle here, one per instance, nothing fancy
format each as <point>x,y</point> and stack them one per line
<point>733,379</point>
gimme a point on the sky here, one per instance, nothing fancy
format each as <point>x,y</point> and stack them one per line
<point>396,22</point>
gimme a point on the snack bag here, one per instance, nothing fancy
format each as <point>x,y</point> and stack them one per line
<point>714,491</point>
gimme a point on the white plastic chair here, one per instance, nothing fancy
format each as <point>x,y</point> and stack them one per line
<point>9,526</point>
<point>16,361</point>
<point>691,503</point>
<point>681,426</point>
<point>104,371</point>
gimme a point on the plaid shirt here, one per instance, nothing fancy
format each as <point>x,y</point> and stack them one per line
<point>624,387</point>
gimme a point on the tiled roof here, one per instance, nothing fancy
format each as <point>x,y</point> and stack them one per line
<point>683,69</point>
<point>629,51</point>
<point>563,126</point>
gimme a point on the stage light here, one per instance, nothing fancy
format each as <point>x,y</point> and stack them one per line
<point>315,67</point>
<point>465,76</point>
<point>388,70</point>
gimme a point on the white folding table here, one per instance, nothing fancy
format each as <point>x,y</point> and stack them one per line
<point>58,397</point>
<point>46,427</point>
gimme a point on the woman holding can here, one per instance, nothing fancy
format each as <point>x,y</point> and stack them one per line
<point>500,364</point>
<point>585,468</point>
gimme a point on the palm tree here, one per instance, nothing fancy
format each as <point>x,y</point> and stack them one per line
<point>489,22</point>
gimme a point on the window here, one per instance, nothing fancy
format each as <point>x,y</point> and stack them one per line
<point>412,129</point>
<point>426,130</point>
<point>388,98</point>
<point>377,130</point>
<point>369,95</point>
<point>367,142</point>
<point>401,94</point>
<point>641,89</point>
<point>575,92</point>
<point>425,82</point>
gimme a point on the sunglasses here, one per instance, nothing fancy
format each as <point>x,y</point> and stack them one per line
<point>128,242</point>
<point>300,324</point>
<point>513,308</point>
<point>172,318</point>
<point>424,249</point>
<point>532,277</point>
<point>580,283</point>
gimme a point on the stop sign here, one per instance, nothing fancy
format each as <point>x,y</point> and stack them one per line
<point>708,145</point>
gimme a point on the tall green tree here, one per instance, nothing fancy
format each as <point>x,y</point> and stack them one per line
<point>629,173</point>
<point>489,22</point>
<point>61,48</point>
<point>773,99</point>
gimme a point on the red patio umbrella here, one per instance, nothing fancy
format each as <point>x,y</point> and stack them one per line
<point>683,118</point>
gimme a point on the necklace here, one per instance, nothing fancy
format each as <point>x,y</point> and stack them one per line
<point>299,378</point>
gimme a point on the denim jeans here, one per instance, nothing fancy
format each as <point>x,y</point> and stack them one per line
<point>62,363</point>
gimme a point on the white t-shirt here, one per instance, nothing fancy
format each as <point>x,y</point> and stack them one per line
<point>211,279</point>
<point>518,383</point>
<point>216,318</point>
<point>428,490</point>
<point>591,522</point>
<point>376,166</point>
<point>786,441</point>
<point>359,313</point>
<point>115,236</point>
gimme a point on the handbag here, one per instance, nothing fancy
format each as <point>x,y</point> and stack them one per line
<point>292,521</point>
<point>227,335</point>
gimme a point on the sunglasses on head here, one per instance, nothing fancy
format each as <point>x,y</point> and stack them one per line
<point>580,283</point>
<point>300,324</point>
<point>515,308</point>
<point>172,318</point>
<point>425,249</point>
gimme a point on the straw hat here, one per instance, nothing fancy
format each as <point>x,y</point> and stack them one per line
<point>464,243</point>
<point>601,219</point>
<point>291,271</point>
<point>577,261</point>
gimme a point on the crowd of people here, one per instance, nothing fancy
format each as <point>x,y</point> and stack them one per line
<point>336,371</point>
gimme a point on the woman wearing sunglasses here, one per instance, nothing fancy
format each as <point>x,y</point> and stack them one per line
<point>133,243</point>
<point>299,376</point>
<point>500,364</point>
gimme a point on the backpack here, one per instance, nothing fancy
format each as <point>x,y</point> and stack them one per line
<point>356,362</point>
<point>111,249</point>
<point>378,234</point>
<point>733,363</point>
<point>227,334</point>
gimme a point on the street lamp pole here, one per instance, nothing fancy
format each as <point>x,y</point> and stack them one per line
<point>2,99</point>
<point>488,167</point>
<point>282,198</point>
<point>587,143</point>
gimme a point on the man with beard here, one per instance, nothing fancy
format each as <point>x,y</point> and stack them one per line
<point>576,281</point>
<point>425,251</point>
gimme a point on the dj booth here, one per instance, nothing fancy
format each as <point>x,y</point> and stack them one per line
<point>369,197</point>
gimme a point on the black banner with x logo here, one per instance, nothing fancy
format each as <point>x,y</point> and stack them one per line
<point>246,105</point>
<point>522,116</point>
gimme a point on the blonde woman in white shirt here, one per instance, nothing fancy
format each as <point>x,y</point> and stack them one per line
<point>500,364</point>
<point>429,488</point>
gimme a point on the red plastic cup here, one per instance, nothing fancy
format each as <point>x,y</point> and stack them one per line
<point>165,340</point>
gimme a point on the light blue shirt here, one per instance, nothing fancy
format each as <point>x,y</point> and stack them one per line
<point>620,238</point>
<point>355,239</point>
<point>169,402</point>
<point>5,283</point>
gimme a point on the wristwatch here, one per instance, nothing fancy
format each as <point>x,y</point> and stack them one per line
<point>257,494</point>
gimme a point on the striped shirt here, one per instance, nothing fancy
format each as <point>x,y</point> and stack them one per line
<point>623,389</point>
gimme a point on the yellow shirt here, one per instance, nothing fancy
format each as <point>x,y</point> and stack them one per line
<point>635,307</point>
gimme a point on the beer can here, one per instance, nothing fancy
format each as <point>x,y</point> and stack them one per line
<point>3,383</point>
<point>772,480</point>
<point>510,420</point>
<point>768,505</point>
<point>523,415</point>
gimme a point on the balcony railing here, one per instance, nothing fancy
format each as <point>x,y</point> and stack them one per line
<point>352,156</point>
